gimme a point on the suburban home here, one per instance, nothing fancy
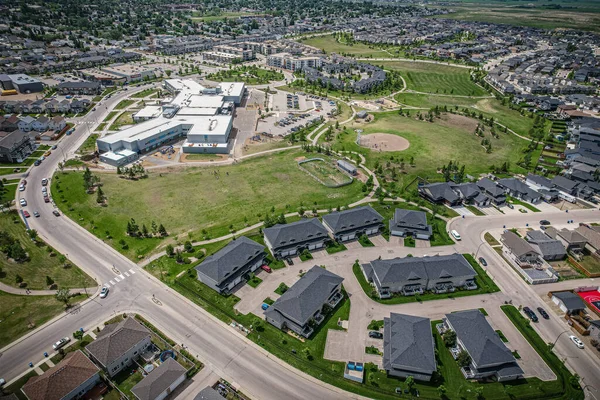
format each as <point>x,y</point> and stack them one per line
<point>519,190</point>
<point>494,192</point>
<point>410,223</point>
<point>489,356</point>
<point>537,182</point>
<point>40,124</point>
<point>25,123</point>
<point>231,265</point>
<point>64,106</point>
<point>52,106</point>
<point>518,250</point>
<point>568,302</point>
<point>38,106</point>
<point>353,223</point>
<point>25,106</point>
<point>470,193</point>
<point>16,147</point>
<point>564,185</point>
<point>440,193</point>
<point>57,123</point>
<point>208,393</point>
<point>303,306</point>
<point>161,381</point>
<point>571,239</point>
<point>10,124</point>
<point>408,347</point>
<point>414,275</point>
<point>550,249</point>
<point>79,87</point>
<point>70,379</point>
<point>592,236</point>
<point>118,344</point>
<point>291,239</point>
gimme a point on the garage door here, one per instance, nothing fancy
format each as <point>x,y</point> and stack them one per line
<point>345,237</point>
<point>312,246</point>
<point>371,231</point>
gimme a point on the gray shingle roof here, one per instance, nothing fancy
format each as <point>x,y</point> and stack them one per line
<point>479,339</point>
<point>490,186</point>
<point>410,219</point>
<point>351,219</point>
<point>440,191</point>
<point>468,190</point>
<point>158,380</point>
<point>282,235</point>
<point>516,185</point>
<point>115,339</point>
<point>539,180</point>
<point>545,245</point>
<point>563,183</point>
<point>306,296</point>
<point>408,343</point>
<point>570,300</point>
<point>229,259</point>
<point>414,268</point>
<point>518,246</point>
<point>208,393</point>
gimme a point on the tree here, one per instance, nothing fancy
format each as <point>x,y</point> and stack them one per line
<point>33,234</point>
<point>170,250</point>
<point>16,252</point>
<point>463,359</point>
<point>49,281</point>
<point>410,382</point>
<point>187,246</point>
<point>144,230</point>
<point>162,230</point>
<point>449,338</point>
<point>18,278</point>
<point>442,391</point>
<point>63,295</point>
<point>479,392</point>
<point>99,195</point>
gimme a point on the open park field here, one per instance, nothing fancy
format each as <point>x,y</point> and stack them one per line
<point>192,200</point>
<point>435,78</point>
<point>329,44</point>
<point>450,138</point>
<point>251,75</point>
<point>325,172</point>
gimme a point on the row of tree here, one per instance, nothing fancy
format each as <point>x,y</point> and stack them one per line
<point>134,230</point>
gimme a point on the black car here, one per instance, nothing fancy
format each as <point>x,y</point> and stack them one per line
<point>289,260</point>
<point>543,313</point>
<point>375,335</point>
<point>530,314</point>
<point>544,222</point>
<point>482,261</point>
<point>37,162</point>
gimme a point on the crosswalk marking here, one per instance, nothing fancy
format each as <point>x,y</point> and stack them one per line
<point>121,276</point>
<point>107,285</point>
<point>112,282</point>
<point>132,271</point>
<point>117,279</point>
<point>126,274</point>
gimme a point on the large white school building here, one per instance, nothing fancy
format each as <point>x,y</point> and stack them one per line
<point>204,116</point>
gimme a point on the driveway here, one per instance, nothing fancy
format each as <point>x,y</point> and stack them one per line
<point>422,243</point>
<point>379,241</point>
<point>462,210</point>
<point>490,210</point>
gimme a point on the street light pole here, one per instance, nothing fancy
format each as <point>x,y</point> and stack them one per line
<point>562,333</point>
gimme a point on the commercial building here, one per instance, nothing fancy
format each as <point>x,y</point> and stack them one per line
<point>304,306</point>
<point>229,266</point>
<point>204,116</point>
<point>25,83</point>
<point>415,275</point>
<point>293,63</point>
<point>408,347</point>
<point>118,73</point>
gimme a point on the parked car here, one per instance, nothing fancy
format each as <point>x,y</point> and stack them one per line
<point>26,214</point>
<point>36,214</point>
<point>543,313</point>
<point>264,306</point>
<point>61,343</point>
<point>529,312</point>
<point>46,199</point>
<point>37,163</point>
<point>375,335</point>
<point>510,206</point>
<point>56,213</point>
<point>23,202</point>
<point>21,188</point>
<point>44,189</point>
<point>266,268</point>
<point>44,182</point>
<point>577,342</point>
<point>544,222</point>
<point>103,292</point>
<point>455,234</point>
<point>289,261</point>
<point>482,261</point>
<point>2,382</point>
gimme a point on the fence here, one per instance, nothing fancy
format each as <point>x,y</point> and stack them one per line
<point>320,180</point>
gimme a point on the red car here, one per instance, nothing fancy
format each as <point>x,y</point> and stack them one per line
<point>26,214</point>
<point>46,199</point>
<point>266,268</point>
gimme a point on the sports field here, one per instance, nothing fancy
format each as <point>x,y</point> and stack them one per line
<point>325,171</point>
<point>435,78</point>
<point>189,200</point>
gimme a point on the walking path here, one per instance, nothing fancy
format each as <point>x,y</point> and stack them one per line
<point>13,290</point>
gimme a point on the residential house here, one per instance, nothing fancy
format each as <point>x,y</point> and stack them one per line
<point>550,249</point>
<point>208,393</point>
<point>64,106</point>
<point>231,265</point>
<point>24,106</point>
<point>38,107</point>
<point>495,193</point>
<point>519,250</point>
<point>80,105</point>
<point>10,124</point>
<point>71,378</point>
<point>489,356</point>
<point>161,381</point>
<point>571,239</point>
<point>537,182</point>
<point>592,236</point>
<point>408,347</point>
<point>57,123</point>
<point>410,223</point>
<point>118,344</point>
<point>303,306</point>
<point>568,302</point>
<point>353,223</point>
<point>415,275</point>
<point>519,190</point>
<point>470,193</point>
<point>25,123</point>
<point>16,147</point>
<point>564,185</point>
<point>439,193</point>
<point>52,106</point>
<point>40,124</point>
<point>79,87</point>
<point>285,240</point>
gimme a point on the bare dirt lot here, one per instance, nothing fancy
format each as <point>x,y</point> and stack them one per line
<point>384,142</point>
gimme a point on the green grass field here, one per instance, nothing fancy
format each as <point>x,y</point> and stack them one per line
<point>41,262</point>
<point>435,78</point>
<point>330,45</point>
<point>110,116</point>
<point>144,93</point>
<point>124,104</point>
<point>126,118</point>
<point>250,75</point>
<point>189,201</point>
<point>326,172</point>
<point>89,145</point>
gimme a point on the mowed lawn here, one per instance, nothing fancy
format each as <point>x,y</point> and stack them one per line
<point>190,200</point>
<point>434,144</point>
<point>330,45</point>
<point>435,78</point>
<point>41,262</point>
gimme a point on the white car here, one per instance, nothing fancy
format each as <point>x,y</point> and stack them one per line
<point>23,202</point>
<point>455,234</point>
<point>577,342</point>
<point>103,292</point>
<point>61,343</point>
<point>44,189</point>
<point>44,182</point>
<point>21,188</point>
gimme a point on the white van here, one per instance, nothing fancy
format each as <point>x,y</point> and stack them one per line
<point>455,234</point>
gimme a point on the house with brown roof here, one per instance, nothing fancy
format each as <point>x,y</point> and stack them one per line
<point>10,124</point>
<point>70,379</point>
<point>118,344</point>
